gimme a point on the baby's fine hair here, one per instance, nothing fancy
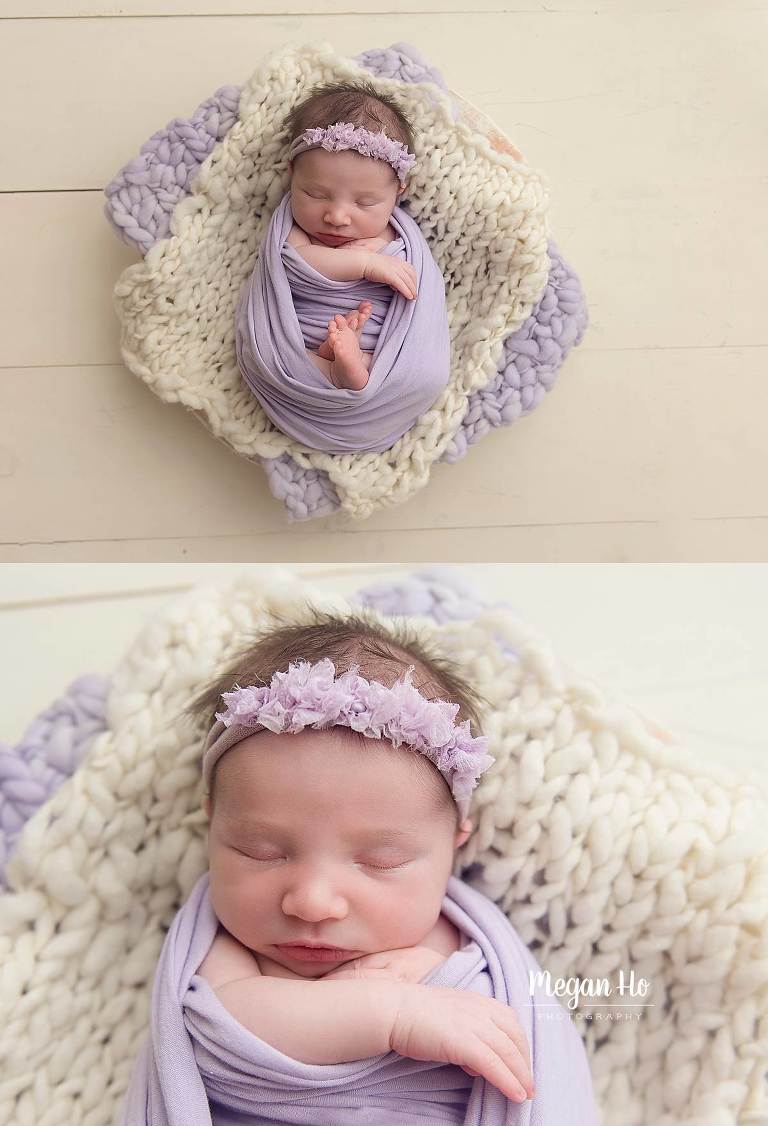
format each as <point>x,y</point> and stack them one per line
<point>359,102</point>
<point>351,639</point>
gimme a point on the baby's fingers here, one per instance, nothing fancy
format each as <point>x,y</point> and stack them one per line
<point>500,1064</point>
<point>408,275</point>
<point>508,1041</point>
<point>405,288</point>
<point>507,1023</point>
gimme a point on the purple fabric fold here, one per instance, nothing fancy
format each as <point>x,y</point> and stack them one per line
<point>284,308</point>
<point>198,1064</point>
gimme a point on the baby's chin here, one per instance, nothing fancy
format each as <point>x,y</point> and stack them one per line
<point>310,971</point>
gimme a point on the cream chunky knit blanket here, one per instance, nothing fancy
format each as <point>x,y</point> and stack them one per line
<point>607,848</point>
<point>483,212</point>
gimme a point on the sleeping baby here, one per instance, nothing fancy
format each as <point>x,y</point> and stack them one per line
<point>328,967</point>
<point>342,329</point>
<point>342,201</point>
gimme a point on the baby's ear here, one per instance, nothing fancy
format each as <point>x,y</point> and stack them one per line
<point>463,833</point>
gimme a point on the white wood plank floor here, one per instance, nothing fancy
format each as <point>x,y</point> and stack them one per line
<point>649,122</point>
<point>685,645</point>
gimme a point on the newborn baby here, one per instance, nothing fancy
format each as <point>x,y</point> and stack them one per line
<point>371,839</point>
<point>341,330</point>
<point>342,195</point>
<point>341,204</point>
<point>328,962</point>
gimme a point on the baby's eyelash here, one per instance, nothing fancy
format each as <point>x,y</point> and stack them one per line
<point>321,197</point>
<point>271,860</point>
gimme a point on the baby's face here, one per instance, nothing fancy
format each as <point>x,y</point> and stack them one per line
<point>342,193</point>
<point>317,838</point>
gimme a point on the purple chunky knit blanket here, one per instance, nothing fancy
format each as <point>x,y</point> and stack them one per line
<point>285,307</point>
<point>199,1065</point>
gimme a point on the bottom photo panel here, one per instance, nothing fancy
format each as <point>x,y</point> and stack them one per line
<point>481,844</point>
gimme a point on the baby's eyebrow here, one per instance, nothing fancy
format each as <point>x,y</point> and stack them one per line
<point>387,836</point>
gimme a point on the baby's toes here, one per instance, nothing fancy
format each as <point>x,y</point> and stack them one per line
<point>353,318</point>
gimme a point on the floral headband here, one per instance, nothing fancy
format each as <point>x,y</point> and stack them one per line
<point>311,695</point>
<point>344,135</point>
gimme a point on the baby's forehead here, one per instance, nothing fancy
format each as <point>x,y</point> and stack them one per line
<point>355,781</point>
<point>346,164</point>
<point>351,830</point>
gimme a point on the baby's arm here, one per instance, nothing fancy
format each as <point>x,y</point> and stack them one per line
<point>328,261</point>
<point>355,264</point>
<point>316,1021</point>
<point>329,1022</point>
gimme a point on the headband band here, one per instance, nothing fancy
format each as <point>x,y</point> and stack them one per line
<point>313,696</point>
<point>344,135</point>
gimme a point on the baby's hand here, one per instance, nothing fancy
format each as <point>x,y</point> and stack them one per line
<point>410,963</point>
<point>479,1034</point>
<point>393,272</point>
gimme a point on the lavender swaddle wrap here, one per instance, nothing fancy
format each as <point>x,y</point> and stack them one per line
<point>284,308</point>
<point>199,1065</point>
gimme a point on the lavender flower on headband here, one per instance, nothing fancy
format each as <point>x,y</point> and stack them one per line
<point>313,696</point>
<point>345,135</point>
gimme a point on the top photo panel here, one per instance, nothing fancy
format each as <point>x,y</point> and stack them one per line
<point>380,285</point>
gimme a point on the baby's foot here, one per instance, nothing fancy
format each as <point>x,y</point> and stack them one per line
<point>356,320</point>
<point>348,369</point>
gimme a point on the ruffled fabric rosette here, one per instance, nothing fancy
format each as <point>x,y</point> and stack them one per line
<point>309,695</point>
<point>345,135</point>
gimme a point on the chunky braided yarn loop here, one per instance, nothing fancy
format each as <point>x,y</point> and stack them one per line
<point>484,215</point>
<point>49,751</point>
<point>141,198</point>
<point>606,848</point>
